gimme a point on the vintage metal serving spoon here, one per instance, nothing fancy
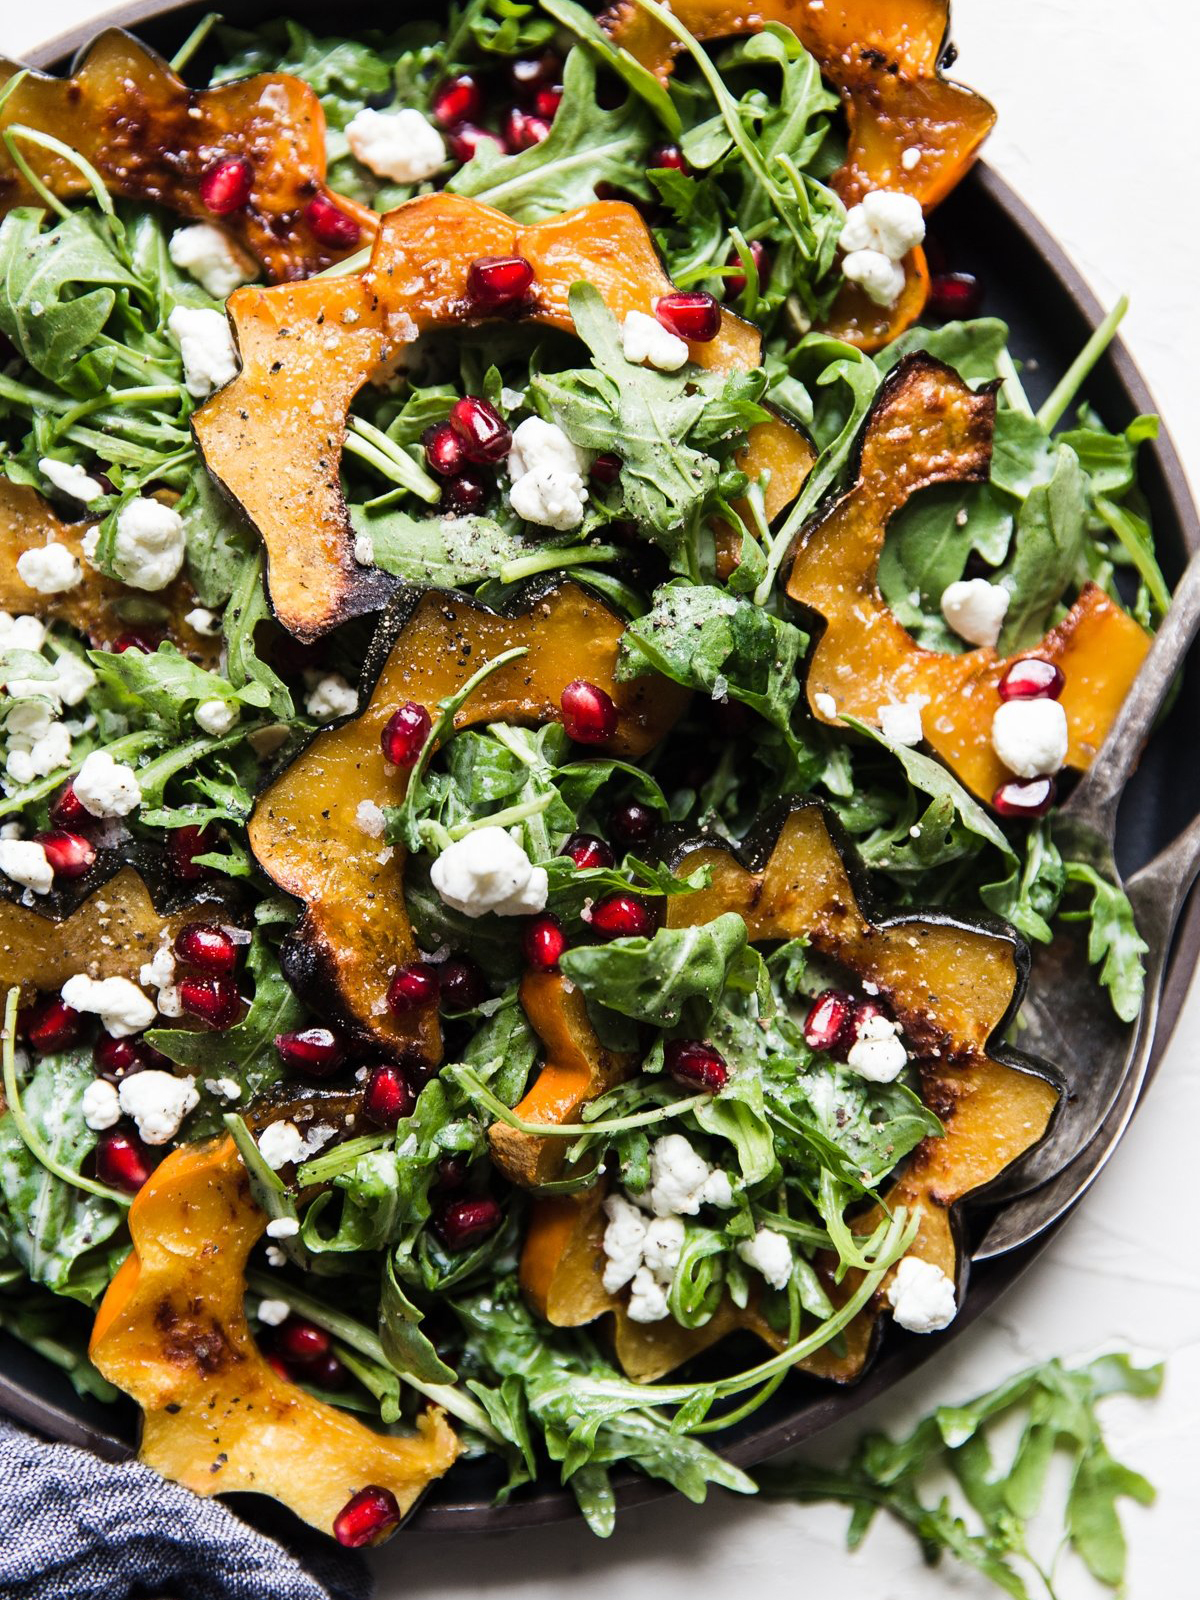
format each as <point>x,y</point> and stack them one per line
<point>1103,1060</point>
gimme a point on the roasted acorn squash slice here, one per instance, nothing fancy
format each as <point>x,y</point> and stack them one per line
<point>953,986</point>
<point>928,427</point>
<point>273,437</point>
<point>152,138</point>
<point>305,830</point>
<point>171,1332</point>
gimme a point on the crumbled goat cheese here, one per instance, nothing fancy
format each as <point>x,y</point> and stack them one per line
<point>489,871</point>
<point>21,633</point>
<point>975,609</point>
<point>208,254</point>
<point>401,145</point>
<point>25,863</point>
<point>203,621</point>
<point>623,1240</point>
<point>364,550</point>
<point>100,1105</point>
<point>225,1088</point>
<point>216,716</point>
<point>370,818</point>
<point>275,1256</point>
<point>69,478</point>
<point>49,568</point>
<point>547,473</point>
<point>921,1296</point>
<point>769,1253</point>
<point>825,704</point>
<point>643,1252</point>
<point>1030,736</point>
<point>647,1298</point>
<point>681,1181</point>
<point>910,157</point>
<point>644,338</point>
<point>881,280</point>
<point>663,1247</point>
<point>74,680</point>
<point>106,788</point>
<point>273,1312</point>
<point>206,345</point>
<point>121,1006</point>
<point>877,1053</point>
<point>150,544</point>
<point>885,220</point>
<point>901,722</point>
<point>159,973</point>
<point>331,697</point>
<point>536,443</point>
<point>37,745</point>
<point>282,1228</point>
<point>279,1143</point>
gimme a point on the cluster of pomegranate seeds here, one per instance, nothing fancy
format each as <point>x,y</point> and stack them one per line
<point>301,1342</point>
<point>736,283</point>
<point>52,1025</point>
<point>543,942</point>
<point>831,1022</point>
<point>184,845</point>
<point>411,988</point>
<point>460,984</point>
<point>123,1161</point>
<point>70,855</point>
<point>466,142</point>
<point>1031,678</point>
<point>213,1001</point>
<point>622,916</point>
<point>690,314</point>
<point>404,734</point>
<point>459,1223</point>
<point>497,282</point>
<point>204,945</point>
<point>387,1097</point>
<point>955,295</point>
<point>696,1064</point>
<point>1025,797</point>
<point>330,225</point>
<point>631,823</point>
<point>458,100</point>
<point>588,713</point>
<point>317,1052</point>
<point>68,809</point>
<point>225,187</point>
<point>605,470</point>
<point>588,852</point>
<point>524,129</point>
<point>483,433</point>
<point>368,1517</point>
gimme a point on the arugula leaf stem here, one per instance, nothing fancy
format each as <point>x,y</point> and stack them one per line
<point>321,1168</point>
<point>194,40</point>
<point>505,818</point>
<point>1054,407</point>
<point>551,560</point>
<point>372,445</point>
<point>477,1091</point>
<point>141,395</point>
<point>1010,383</point>
<point>1135,538</point>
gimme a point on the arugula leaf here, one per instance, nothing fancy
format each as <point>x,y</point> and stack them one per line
<point>672,975</point>
<point>1030,896</point>
<point>1047,550</point>
<point>974,349</point>
<point>166,686</point>
<point>1113,940</point>
<point>247,670</point>
<point>218,542</point>
<point>437,550</point>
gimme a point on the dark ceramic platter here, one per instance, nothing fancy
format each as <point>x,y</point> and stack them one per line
<point>1030,283</point>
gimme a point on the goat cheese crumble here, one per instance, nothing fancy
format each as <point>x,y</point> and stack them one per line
<point>489,871</point>
<point>216,716</point>
<point>49,569</point>
<point>878,233</point>
<point>121,1006</point>
<point>207,253</point>
<point>403,146</point>
<point>547,473</point>
<point>24,861</point>
<point>770,1254</point>
<point>643,1252</point>
<point>877,1053</point>
<point>106,788</point>
<point>280,1143</point>
<point>150,545</point>
<point>681,1181</point>
<point>206,345</point>
<point>901,721</point>
<point>100,1105</point>
<point>1031,736</point>
<point>158,1102</point>
<point>921,1296</point>
<point>330,697</point>
<point>283,1228</point>
<point>69,478</point>
<point>273,1312</point>
<point>643,338</point>
<point>975,609</point>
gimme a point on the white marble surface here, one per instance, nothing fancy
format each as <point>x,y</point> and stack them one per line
<point>1096,124</point>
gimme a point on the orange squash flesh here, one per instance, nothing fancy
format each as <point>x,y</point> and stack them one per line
<point>171,1332</point>
<point>928,427</point>
<point>95,606</point>
<point>273,437</point>
<point>152,138</point>
<point>304,830</point>
<point>577,1068</point>
<point>952,987</point>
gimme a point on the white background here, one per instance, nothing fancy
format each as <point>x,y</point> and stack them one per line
<point>1097,133</point>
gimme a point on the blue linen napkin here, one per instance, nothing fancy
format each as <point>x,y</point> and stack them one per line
<point>73,1527</point>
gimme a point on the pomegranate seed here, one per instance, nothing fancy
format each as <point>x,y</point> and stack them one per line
<point>1031,678</point>
<point>145,642</point>
<point>461,984</point>
<point>1024,797</point>
<point>668,155</point>
<point>387,1097</point>
<point>226,186</point>
<point>300,1342</point>
<point>543,942</point>
<point>69,854</point>
<point>954,295</point>
<point>330,225</point>
<point>696,1064</point>
<point>368,1517</point>
<point>494,281</point>
<point>531,73</point>
<point>458,100</point>
<point>588,714</point>
<point>115,1059</point>
<point>327,1372</point>
<point>605,470</point>
<point>68,809</point>
<point>452,1173</point>
<point>411,988</point>
<point>211,949</point>
<point>467,140</point>
<point>443,450</point>
<point>523,129</point>
<point>184,845</point>
<point>212,1001</point>
<point>622,916</point>
<point>278,1366</point>
<point>404,734</point>
<point>547,101</point>
<point>466,494</point>
<point>690,314</point>
<point>53,1025</point>
<point>122,1161</point>
<point>462,1222</point>
<point>736,284</point>
<point>831,1022</point>
<point>318,1052</point>
<point>485,435</point>
<point>588,852</point>
<point>632,823</point>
